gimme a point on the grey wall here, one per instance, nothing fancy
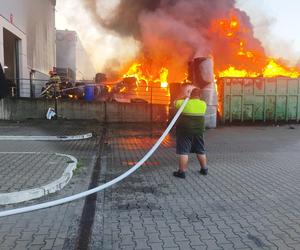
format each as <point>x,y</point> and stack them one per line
<point>66,49</point>
<point>22,109</point>
<point>85,69</point>
<point>71,54</point>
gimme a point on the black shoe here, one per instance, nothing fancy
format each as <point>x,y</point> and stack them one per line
<point>204,171</point>
<point>179,174</point>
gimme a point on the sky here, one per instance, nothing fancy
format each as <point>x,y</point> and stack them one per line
<point>276,24</point>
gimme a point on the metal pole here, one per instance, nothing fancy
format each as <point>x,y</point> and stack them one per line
<point>31,85</point>
<point>151,107</point>
<point>151,111</point>
<point>105,112</point>
<point>55,101</point>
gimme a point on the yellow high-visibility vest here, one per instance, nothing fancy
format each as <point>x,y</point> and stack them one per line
<point>194,107</point>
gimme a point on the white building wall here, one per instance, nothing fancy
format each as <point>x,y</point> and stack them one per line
<point>66,41</point>
<point>33,21</point>
<point>85,69</point>
<point>71,54</point>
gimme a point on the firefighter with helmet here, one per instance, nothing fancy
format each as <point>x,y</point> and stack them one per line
<point>52,88</point>
<point>56,82</point>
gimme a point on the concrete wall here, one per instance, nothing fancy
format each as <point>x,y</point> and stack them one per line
<point>33,22</point>
<point>22,109</point>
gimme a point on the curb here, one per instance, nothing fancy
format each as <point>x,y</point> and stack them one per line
<point>30,194</point>
<point>45,138</point>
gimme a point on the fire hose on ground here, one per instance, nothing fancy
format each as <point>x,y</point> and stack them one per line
<point>103,186</point>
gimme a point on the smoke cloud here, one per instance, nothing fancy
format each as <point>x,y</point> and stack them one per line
<point>107,49</point>
<point>171,32</point>
<point>160,33</point>
<point>122,16</point>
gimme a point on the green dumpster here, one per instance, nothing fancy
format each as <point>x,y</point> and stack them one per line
<point>259,99</point>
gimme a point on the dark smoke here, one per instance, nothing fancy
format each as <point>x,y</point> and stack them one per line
<point>124,19</point>
<point>172,32</point>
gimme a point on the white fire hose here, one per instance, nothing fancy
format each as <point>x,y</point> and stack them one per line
<point>103,186</point>
<point>46,90</point>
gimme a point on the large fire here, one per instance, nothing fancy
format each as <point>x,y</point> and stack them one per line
<point>235,50</point>
<point>236,54</point>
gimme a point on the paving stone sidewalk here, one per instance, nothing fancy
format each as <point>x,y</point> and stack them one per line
<point>249,200</point>
<point>21,171</point>
<point>56,227</point>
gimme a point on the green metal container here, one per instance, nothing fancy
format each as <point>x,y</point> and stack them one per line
<point>259,99</point>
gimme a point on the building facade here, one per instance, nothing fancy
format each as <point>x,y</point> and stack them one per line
<point>71,54</point>
<point>27,42</point>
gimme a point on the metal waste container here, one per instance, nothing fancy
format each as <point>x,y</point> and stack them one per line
<point>259,99</point>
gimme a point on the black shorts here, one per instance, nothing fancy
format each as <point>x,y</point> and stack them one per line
<point>186,144</point>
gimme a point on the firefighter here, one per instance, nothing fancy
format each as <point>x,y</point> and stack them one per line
<point>56,82</point>
<point>52,88</point>
<point>189,133</point>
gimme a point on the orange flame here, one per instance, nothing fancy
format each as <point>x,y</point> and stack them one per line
<point>274,69</point>
<point>164,78</point>
<point>233,72</point>
<point>136,70</point>
<point>244,56</point>
<point>109,88</point>
<point>122,89</point>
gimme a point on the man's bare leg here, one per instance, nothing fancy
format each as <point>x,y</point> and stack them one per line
<point>183,163</point>
<point>202,160</point>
